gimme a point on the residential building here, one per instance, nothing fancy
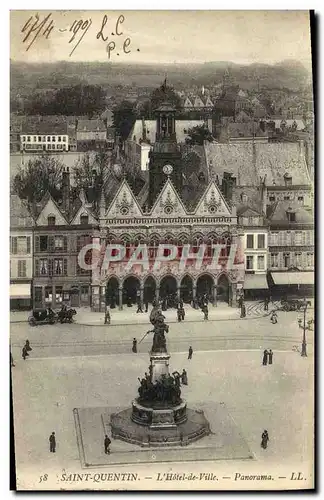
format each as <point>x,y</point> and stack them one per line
<point>44,133</point>
<point>91,135</point>
<point>59,234</point>
<point>291,248</point>
<point>21,254</point>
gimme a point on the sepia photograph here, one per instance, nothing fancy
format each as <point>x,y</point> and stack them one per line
<point>162,250</point>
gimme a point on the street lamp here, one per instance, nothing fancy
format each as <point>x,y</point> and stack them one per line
<point>304,327</point>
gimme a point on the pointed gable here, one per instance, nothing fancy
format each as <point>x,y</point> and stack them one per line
<point>124,203</point>
<point>209,102</point>
<point>50,208</point>
<point>213,203</point>
<point>198,103</point>
<point>83,210</point>
<point>168,203</point>
<point>188,103</point>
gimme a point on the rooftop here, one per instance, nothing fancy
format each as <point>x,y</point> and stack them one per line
<point>248,161</point>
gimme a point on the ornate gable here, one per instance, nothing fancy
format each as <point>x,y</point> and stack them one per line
<point>213,203</point>
<point>168,203</point>
<point>124,203</point>
<point>51,209</point>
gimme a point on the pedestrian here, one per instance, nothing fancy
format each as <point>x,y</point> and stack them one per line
<point>52,441</point>
<point>139,306</point>
<point>264,439</point>
<point>146,306</point>
<point>270,354</point>
<point>265,357</point>
<point>107,317</point>
<point>134,348</point>
<point>27,345</point>
<point>205,311</point>
<point>243,311</point>
<point>190,352</point>
<point>184,377</point>
<point>266,304</point>
<point>24,353</point>
<point>11,360</point>
<point>107,444</point>
<point>240,301</point>
<point>179,315</point>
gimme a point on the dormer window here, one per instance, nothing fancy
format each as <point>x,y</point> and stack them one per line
<point>291,215</point>
<point>84,219</point>
<point>51,220</point>
<point>287,179</point>
<point>244,198</point>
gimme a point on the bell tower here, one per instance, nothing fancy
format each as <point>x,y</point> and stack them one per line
<point>165,155</point>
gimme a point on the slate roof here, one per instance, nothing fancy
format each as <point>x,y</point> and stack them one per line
<point>44,125</point>
<point>277,213</point>
<point>246,129</point>
<point>247,162</point>
<point>91,126</point>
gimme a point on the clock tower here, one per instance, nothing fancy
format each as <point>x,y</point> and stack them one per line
<point>165,156</point>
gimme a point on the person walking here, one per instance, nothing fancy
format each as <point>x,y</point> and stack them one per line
<point>265,357</point>
<point>264,439</point>
<point>134,348</point>
<point>266,304</point>
<point>107,443</point>
<point>243,311</point>
<point>52,441</point>
<point>270,354</point>
<point>107,316</point>
<point>146,305</point>
<point>190,352</point>
<point>184,377</point>
<point>139,306</point>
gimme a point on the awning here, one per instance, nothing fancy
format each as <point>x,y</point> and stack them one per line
<point>255,281</point>
<point>293,278</point>
<point>20,291</point>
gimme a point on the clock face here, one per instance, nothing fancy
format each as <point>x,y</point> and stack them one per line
<point>168,169</point>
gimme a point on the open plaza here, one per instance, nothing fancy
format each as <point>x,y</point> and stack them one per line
<point>92,369</point>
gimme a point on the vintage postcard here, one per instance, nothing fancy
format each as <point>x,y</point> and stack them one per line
<point>162,250</point>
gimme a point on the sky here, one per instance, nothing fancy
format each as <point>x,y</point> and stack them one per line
<point>242,37</point>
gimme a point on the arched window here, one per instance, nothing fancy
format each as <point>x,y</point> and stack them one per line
<point>84,219</point>
<point>153,247</point>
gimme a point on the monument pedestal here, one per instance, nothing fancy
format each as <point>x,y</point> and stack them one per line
<point>159,417</point>
<point>159,365</point>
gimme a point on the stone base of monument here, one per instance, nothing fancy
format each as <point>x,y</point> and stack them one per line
<point>159,427</point>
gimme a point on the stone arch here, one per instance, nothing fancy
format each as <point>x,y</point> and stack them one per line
<point>223,288</point>
<point>112,238</point>
<point>205,285</point>
<point>168,285</point>
<point>139,238</point>
<point>186,288</point>
<point>112,291</point>
<point>131,289</point>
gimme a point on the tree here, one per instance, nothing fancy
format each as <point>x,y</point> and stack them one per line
<point>36,178</point>
<point>124,116</point>
<point>90,170</point>
<point>165,93</point>
<point>197,135</point>
<point>73,100</point>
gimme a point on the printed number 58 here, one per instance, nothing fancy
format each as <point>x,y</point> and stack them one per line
<point>43,478</point>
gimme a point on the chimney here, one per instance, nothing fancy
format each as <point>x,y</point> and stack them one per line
<point>143,130</point>
<point>263,193</point>
<point>66,190</point>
